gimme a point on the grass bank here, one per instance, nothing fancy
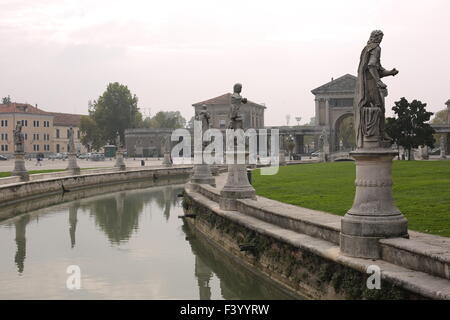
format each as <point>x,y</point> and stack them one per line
<point>421,190</point>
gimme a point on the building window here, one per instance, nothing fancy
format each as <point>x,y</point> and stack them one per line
<point>35,123</point>
<point>4,147</point>
<point>67,133</point>
<point>78,134</point>
<point>4,123</point>
<point>26,136</point>
<point>35,147</point>
<point>57,148</point>
<point>57,134</point>
<point>35,136</point>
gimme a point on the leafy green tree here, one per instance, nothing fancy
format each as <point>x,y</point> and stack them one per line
<point>440,117</point>
<point>167,119</point>
<point>6,100</point>
<point>410,128</point>
<point>91,136</point>
<point>114,111</point>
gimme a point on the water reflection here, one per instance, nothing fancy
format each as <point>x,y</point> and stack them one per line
<point>21,242</point>
<point>147,256</point>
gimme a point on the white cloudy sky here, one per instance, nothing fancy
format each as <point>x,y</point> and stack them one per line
<point>61,53</point>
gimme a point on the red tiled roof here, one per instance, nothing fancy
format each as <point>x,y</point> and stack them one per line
<point>66,119</point>
<point>223,99</point>
<point>21,108</point>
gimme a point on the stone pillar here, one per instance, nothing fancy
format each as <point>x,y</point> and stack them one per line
<point>237,185</point>
<point>167,162</point>
<point>299,144</point>
<point>282,154</point>
<point>317,115</point>
<point>443,145</point>
<point>73,167</point>
<point>19,167</point>
<point>327,112</point>
<point>120,163</point>
<point>202,173</point>
<point>374,215</point>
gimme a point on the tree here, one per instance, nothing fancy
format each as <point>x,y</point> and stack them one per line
<point>114,111</point>
<point>441,117</point>
<point>6,100</point>
<point>91,136</point>
<point>167,119</point>
<point>410,128</point>
<point>190,124</point>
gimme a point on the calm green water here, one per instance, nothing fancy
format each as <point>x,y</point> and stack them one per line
<point>127,244</point>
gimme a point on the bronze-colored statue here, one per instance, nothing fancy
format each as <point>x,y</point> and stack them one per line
<point>236,100</point>
<point>370,94</point>
<point>18,138</point>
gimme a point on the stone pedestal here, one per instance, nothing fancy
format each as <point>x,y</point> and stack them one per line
<point>236,187</point>
<point>424,153</point>
<point>202,173</point>
<point>19,167</point>
<point>374,215</point>
<point>120,163</point>
<point>73,167</point>
<point>167,162</point>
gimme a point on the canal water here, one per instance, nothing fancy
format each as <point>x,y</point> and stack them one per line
<point>127,244</point>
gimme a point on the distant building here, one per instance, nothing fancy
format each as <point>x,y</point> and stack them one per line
<point>44,132</point>
<point>219,108</point>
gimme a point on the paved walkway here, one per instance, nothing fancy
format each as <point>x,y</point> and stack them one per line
<point>7,166</point>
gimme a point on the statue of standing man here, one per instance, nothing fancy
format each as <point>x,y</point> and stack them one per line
<point>236,100</point>
<point>369,96</point>
<point>18,138</point>
<point>71,141</point>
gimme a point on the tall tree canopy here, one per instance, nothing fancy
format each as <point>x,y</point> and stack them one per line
<point>6,100</point>
<point>91,138</point>
<point>166,119</point>
<point>441,117</point>
<point>409,128</point>
<point>114,111</point>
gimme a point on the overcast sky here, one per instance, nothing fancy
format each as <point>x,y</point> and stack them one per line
<point>60,54</point>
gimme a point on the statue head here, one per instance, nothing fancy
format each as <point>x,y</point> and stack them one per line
<point>237,88</point>
<point>376,36</point>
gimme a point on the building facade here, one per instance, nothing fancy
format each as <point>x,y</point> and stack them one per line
<point>219,108</point>
<point>40,129</point>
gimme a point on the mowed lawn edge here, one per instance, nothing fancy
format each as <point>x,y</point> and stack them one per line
<point>421,190</point>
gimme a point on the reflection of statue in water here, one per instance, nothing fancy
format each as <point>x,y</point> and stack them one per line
<point>369,95</point>
<point>71,146</point>
<point>73,210</point>
<point>236,100</point>
<point>18,138</point>
<point>21,242</point>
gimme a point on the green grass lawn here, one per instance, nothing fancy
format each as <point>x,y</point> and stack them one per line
<point>421,190</point>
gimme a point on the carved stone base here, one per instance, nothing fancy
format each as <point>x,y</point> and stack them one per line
<point>202,175</point>
<point>73,167</point>
<point>374,215</point>
<point>236,187</point>
<point>120,163</point>
<point>167,162</point>
<point>19,167</point>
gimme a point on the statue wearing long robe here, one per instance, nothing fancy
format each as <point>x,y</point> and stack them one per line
<point>370,93</point>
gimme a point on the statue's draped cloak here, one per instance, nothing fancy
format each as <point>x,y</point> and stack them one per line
<point>367,94</point>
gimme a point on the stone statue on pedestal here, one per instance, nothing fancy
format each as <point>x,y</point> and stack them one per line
<point>204,116</point>
<point>119,144</point>
<point>72,154</point>
<point>236,101</point>
<point>19,152</point>
<point>18,138</point>
<point>71,147</point>
<point>369,96</point>
<point>373,215</point>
